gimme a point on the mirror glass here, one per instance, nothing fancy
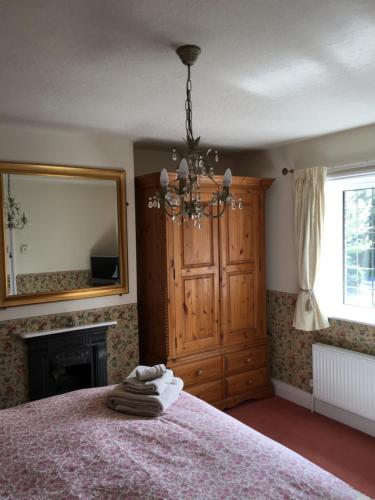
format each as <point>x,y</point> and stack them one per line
<point>61,233</point>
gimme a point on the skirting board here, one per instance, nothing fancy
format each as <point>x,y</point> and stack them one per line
<point>304,399</point>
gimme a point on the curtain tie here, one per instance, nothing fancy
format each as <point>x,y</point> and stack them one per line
<point>309,300</point>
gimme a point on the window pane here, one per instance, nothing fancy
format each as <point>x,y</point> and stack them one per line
<point>351,199</point>
<point>364,198</point>
<point>359,247</point>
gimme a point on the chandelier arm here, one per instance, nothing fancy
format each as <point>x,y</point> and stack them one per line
<point>219,213</point>
<point>172,213</point>
<point>216,183</point>
<point>175,188</point>
<point>213,216</point>
<point>168,206</point>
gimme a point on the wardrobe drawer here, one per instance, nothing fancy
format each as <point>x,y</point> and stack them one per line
<point>245,382</point>
<point>243,361</point>
<point>199,371</point>
<point>209,392</point>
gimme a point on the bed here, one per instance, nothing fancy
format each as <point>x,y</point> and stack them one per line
<point>73,447</point>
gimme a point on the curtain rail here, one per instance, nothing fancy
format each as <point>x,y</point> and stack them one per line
<point>358,167</point>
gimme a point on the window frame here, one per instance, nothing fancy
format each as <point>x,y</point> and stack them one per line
<point>331,281</point>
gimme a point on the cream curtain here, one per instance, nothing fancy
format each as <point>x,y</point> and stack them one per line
<point>308,230</point>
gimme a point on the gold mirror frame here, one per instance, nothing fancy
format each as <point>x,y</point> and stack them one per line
<point>74,172</point>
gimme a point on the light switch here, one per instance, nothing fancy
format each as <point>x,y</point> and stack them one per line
<point>24,248</point>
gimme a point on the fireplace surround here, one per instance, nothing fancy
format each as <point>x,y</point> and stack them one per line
<point>67,359</point>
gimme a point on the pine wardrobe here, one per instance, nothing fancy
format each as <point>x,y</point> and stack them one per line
<point>201,294</point>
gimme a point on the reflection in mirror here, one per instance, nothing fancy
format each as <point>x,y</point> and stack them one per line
<point>61,233</point>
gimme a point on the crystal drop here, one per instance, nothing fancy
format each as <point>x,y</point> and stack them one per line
<point>150,204</point>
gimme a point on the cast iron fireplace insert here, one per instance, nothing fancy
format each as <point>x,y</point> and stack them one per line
<point>66,361</point>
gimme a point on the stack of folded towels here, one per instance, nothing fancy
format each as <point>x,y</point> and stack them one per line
<point>148,391</point>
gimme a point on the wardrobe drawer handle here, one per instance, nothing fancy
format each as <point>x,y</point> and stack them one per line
<point>249,360</point>
<point>199,372</point>
<point>250,381</point>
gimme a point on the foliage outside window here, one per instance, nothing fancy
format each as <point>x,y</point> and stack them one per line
<point>359,247</point>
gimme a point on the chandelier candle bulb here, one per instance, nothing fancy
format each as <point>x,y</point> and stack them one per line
<point>164,179</point>
<point>227,180</point>
<point>183,169</point>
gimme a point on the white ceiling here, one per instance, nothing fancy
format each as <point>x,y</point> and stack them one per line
<point>271,71</point>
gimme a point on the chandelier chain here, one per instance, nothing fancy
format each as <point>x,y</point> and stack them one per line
<point>189,108</point>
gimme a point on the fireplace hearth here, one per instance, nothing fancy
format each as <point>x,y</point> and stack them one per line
<point>67,359</point>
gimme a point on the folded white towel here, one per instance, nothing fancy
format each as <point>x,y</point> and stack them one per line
<point>146,406</point>
<point>152,387</point>
<point>150,372</point>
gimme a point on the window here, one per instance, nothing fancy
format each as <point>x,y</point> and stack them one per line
<point>346,282</point>
<point>359,247</point>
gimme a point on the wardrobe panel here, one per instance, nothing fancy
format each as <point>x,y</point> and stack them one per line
<point>240,233</point>
<point>196,290</point>
<point>240,248</point>
<point>197,312</point>
<point>199,307</point>
<point>197,244</point>
<point>241,302</point>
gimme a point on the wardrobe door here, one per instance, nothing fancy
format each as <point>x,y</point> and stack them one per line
<point>196,294</point>
<point>242,287</point>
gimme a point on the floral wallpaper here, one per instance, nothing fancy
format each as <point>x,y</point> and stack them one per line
<point>291,359</point>
<point>53,282</point>
<point>122,346</point>
<point>291,352</point>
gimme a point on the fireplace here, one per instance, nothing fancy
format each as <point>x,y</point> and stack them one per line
<point>67,359</point>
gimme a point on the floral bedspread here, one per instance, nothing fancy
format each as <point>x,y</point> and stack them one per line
<point>72,446</point>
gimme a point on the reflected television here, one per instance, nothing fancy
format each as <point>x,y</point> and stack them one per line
<point>104,270</point>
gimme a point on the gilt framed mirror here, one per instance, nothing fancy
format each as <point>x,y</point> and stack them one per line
<point>63,233</point>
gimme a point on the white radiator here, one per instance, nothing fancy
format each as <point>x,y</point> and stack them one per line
<point>345,379</point>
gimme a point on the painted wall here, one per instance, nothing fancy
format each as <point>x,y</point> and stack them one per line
<point>281,271</point>
<point>351,146</point>
<point>79,148</point>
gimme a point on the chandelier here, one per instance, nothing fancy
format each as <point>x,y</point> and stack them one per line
<point>181,198</point>
<point>15,216</point>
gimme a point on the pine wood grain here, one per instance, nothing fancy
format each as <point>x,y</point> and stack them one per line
<point>202,294</point>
